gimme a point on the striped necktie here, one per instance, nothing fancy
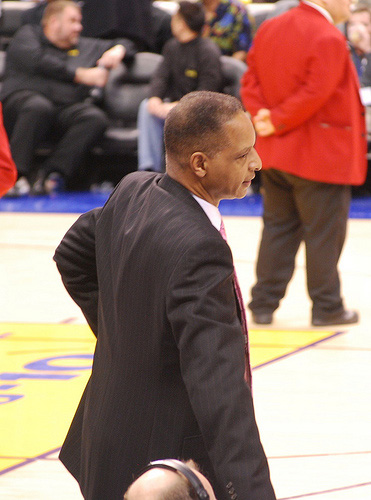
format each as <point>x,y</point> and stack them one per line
<point>238,292</point>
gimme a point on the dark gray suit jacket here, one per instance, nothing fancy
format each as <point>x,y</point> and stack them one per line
<point>154,279</point>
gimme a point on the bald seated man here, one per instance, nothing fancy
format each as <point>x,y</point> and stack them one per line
<point>164,484</point>
<point>49,77</point>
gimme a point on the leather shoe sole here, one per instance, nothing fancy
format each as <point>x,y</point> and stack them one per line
<point>346,317</point>
<point>262,318</point>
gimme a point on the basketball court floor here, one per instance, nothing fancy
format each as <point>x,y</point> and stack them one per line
<point>312,386</point>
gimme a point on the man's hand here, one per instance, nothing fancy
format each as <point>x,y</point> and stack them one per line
<point>94,77</point>
<point>263,124</point>
<point>158,108</point>
<point>240,55</point>
<point>112,57</point>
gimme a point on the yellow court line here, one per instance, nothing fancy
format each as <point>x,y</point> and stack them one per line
<point>45,367</point>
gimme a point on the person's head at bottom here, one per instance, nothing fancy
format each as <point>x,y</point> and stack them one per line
<point>170,480</point>
<point>209,144</point>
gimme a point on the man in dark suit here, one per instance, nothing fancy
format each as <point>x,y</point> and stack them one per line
<point>155,280</point>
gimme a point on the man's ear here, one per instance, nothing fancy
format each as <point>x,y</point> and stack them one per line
<point>199,163</point>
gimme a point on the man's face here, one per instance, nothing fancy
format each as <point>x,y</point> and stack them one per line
<point>68,27</point>
<point>229,172</point>
<point>177,24</point>
<point>339,9</point>
<point>361,18</point>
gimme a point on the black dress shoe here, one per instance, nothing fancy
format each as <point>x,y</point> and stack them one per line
<point>345,317</point>
<point>262,318</point>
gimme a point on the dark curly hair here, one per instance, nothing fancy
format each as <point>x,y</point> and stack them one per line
<point>193,14</point>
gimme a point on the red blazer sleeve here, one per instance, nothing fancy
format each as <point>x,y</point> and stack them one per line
<point>8,171</point>
<point>251,92</point>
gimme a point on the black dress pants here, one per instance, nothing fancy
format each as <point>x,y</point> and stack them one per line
<point>296,210</point>
<point>30,118</point>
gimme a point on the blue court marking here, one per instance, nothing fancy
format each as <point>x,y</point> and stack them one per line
<point>28,461</point>
<point>80,202</point>
<point>73,202</point>
<point>5,335</point>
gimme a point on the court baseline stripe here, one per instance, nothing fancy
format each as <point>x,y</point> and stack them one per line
<point>299,349</point>
<point>3,457</point>
<point>320,455</point>
<point>343,488</point>
<point>28,461</point>
<point>28,246</point>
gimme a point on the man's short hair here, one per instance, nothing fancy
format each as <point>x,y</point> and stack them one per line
<point>56,7</point>
<point>193,15</point>
<point>196,124</point>
<point>361,7</point>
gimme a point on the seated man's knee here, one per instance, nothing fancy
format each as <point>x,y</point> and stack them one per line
<point>38,105</point>
<point>143,106</point>
<point>143,112</point>
<point>96,117</point>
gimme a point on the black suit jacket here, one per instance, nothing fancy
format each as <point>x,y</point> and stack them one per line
<point>154,279</point>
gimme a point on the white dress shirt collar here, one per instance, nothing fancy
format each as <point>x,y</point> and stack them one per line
<point>211,211</point>
<point>320,9</point>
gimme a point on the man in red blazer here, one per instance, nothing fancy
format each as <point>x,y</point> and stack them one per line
<point>301,89</point>
<point>8,171</point>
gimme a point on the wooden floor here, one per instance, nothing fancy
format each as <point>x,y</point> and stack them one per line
<point>312,387</point>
